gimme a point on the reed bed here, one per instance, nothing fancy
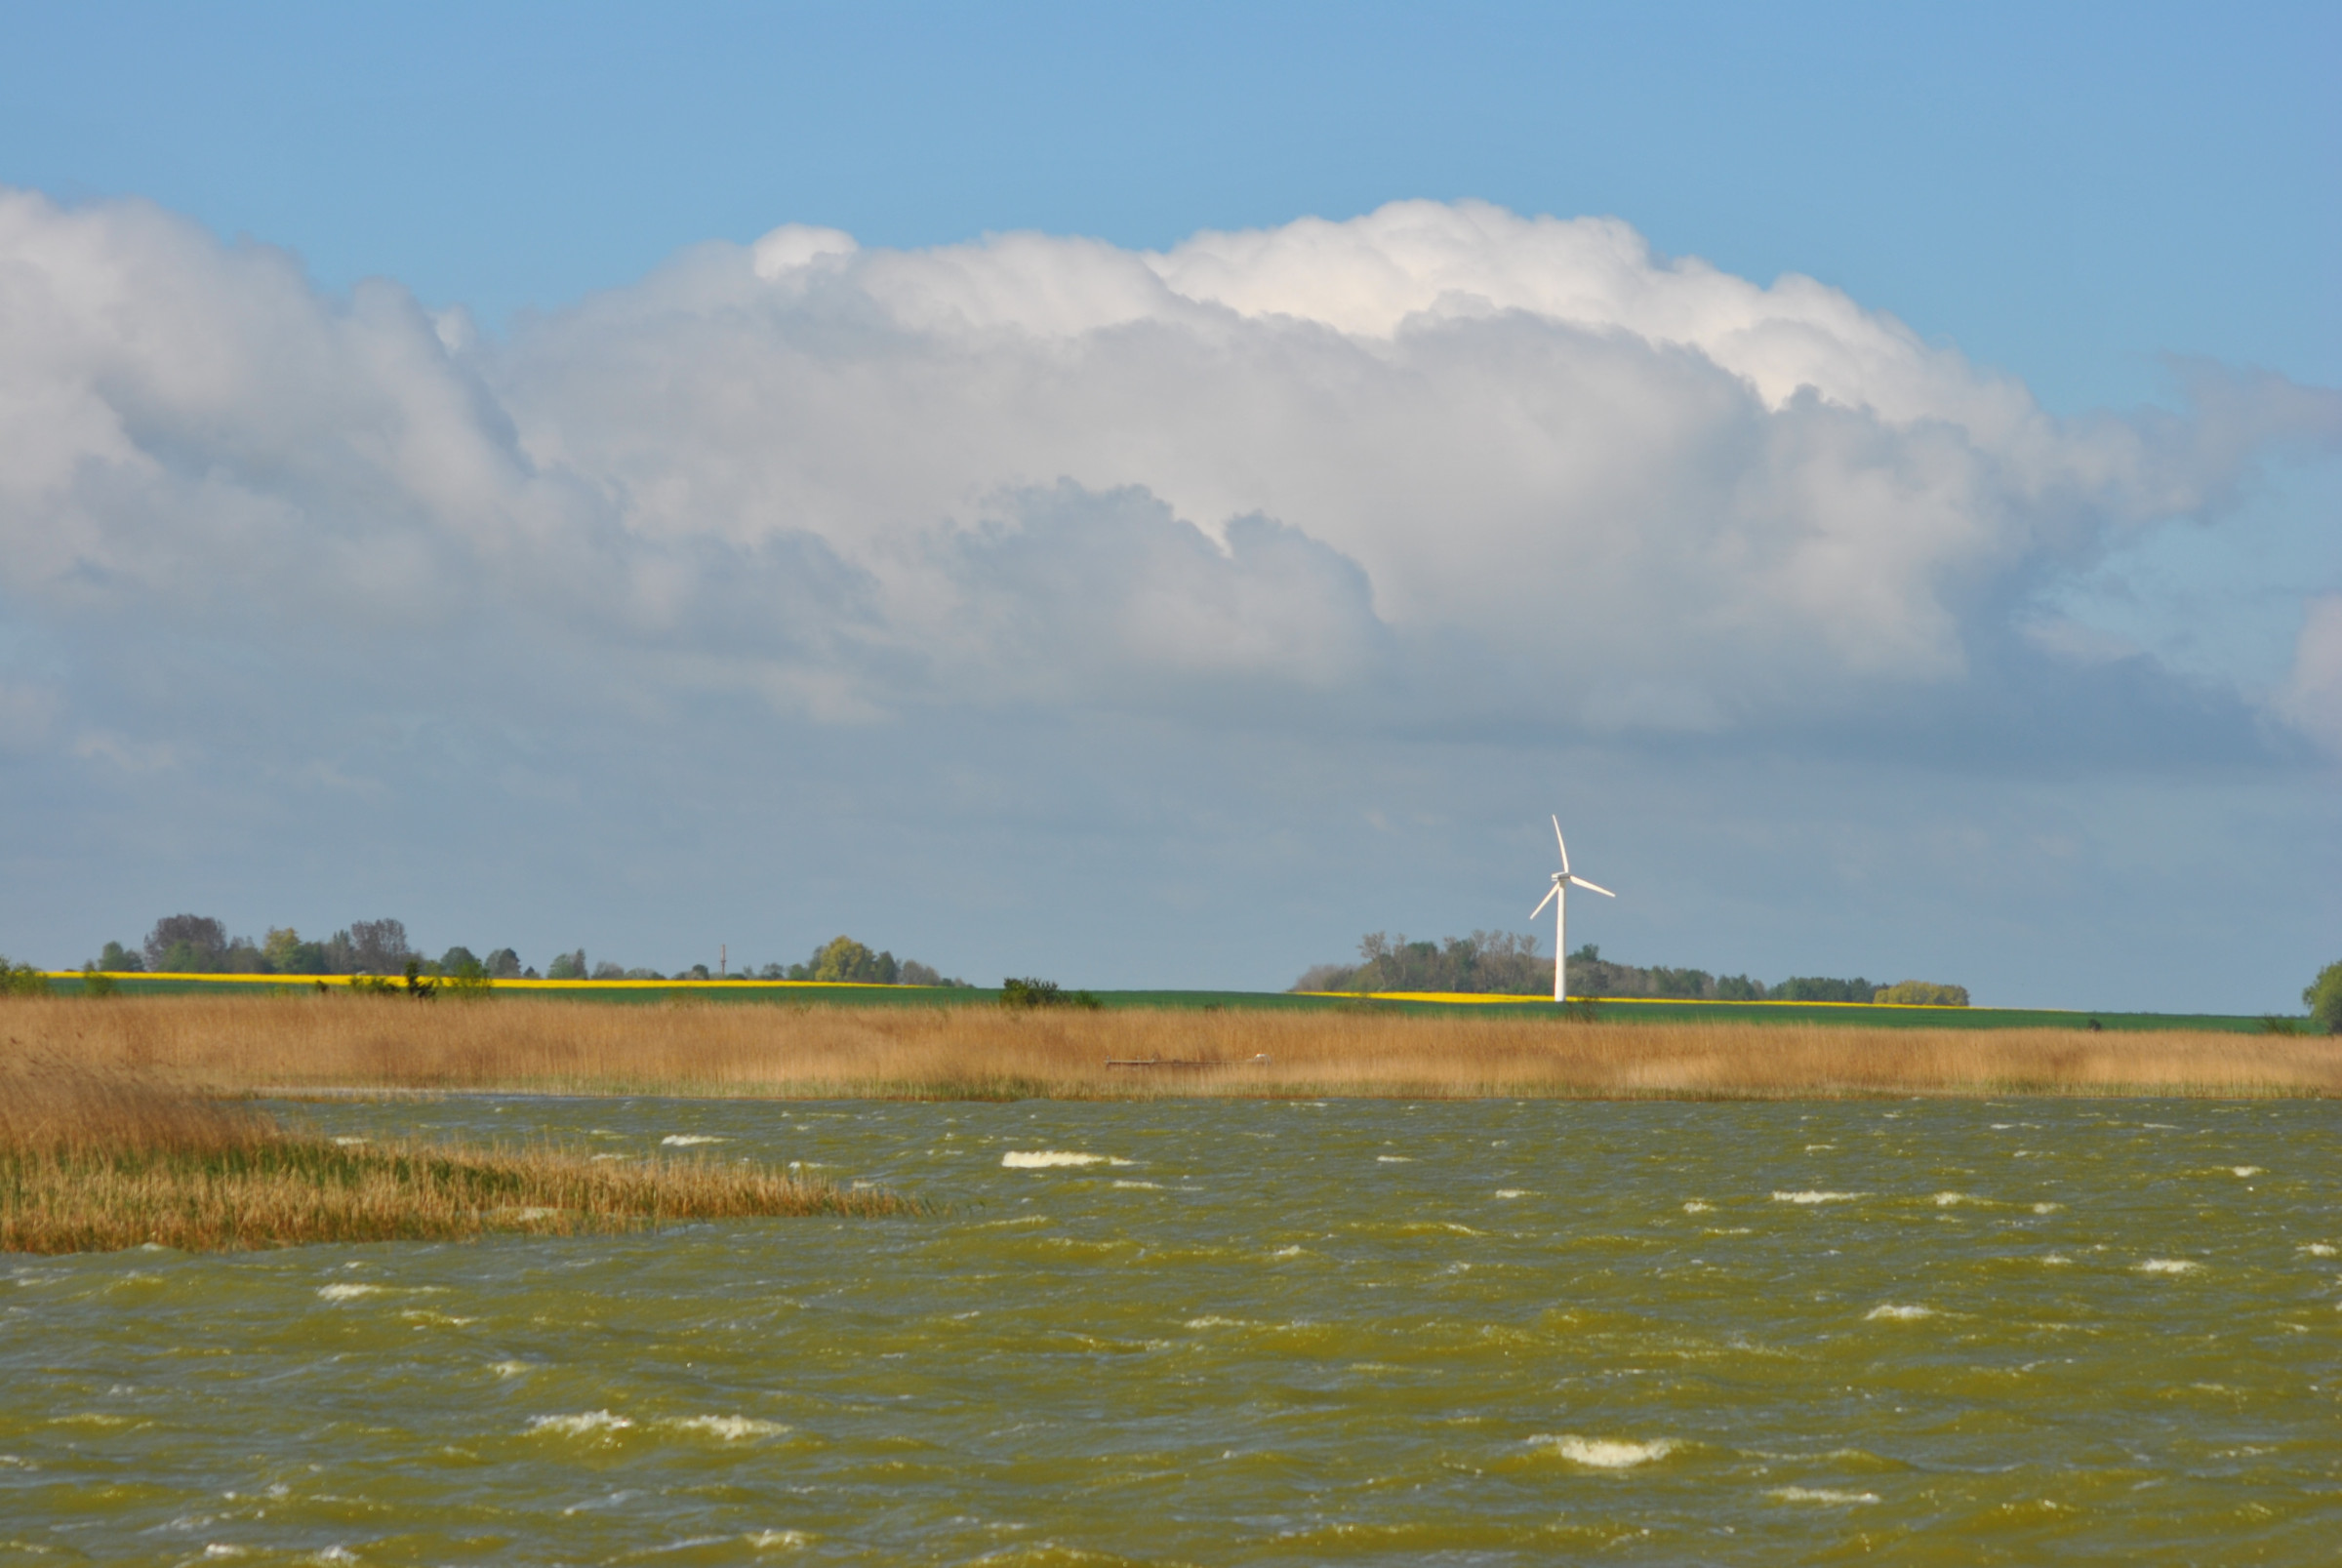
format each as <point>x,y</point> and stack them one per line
<point>94,1158</point>
<point>297,1044</point>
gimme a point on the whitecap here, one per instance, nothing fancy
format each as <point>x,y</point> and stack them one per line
<point>767,1540</point>
<point>2247,1170</point>
<point>729,1428</point>
<point>581,1425</point>
<point>346,1142</point>
<point>1606,1453</point>
<point>511,1369</point>
<point>1287,1252</point>
<point>1042,1158</point>
<point>1899,1313</point>
<point>687,1139</point>
<point>345,1293</point>
<point>1394,1159</point>
<point>1698,1206</point>
<point>1817,1197</point>
<point>1945,1200</point>
<point>1218,1322</point>
<point>1149,1187</point>
<point>1512,1192</point>
<point>2316,1249</point>
<point>1819,1494</point>
<point>2169,1265</point>
<point>2047,1208</point>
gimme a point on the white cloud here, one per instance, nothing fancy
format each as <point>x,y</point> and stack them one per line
<point>1437,462</point>
<point>2313,698</point>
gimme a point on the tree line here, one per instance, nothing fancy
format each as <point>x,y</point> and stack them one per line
<point>1499,963</point>
<point>198,944</point>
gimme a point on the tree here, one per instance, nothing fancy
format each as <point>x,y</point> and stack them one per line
<point>1814,989</point>
<point>1920,993</point>
<point>120,960</point>
<point>2324,998</point>
<point>567,966</point>
<point>459,960</point>
<point>186,944</point>
<point>501,964</point>
<point>21,980</point>
<point>606,970</point>
<point>379,947</point>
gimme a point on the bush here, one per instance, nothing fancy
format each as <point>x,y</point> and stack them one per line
<point>1920,993</point>
<point>2322,996</point>
<point>96,981</point>
<point>21,980</point>
<point>1043,993</point>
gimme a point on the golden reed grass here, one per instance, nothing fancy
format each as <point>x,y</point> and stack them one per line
<point>258,1043</point>
<point>95,1158</point>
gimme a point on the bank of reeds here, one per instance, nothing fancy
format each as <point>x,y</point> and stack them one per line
<point>274,1044</point>
<point>94,1158</point>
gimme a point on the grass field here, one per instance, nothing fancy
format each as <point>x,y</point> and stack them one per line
<point>801,993</point>
<point>255,1042</point>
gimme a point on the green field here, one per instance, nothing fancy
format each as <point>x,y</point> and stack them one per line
<point>768,994</point>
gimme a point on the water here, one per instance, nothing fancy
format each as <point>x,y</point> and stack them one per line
<point>1251,1333</point>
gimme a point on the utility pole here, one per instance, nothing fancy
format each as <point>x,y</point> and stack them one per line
<point>723,957</point>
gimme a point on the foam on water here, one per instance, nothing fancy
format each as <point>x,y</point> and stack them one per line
<point>729,1428</point>
<point>349,1293</point>
<point>2316,1249</point>
<point>777,1540</point>
<point>1394,1160</point>
<point>1512,1192</point>
<point>2247,1170</point>
<point>352,1142</point>
<point>1819,1494</point>
<point>1606,1453</point>
<point>1700,1206</point>
<point>687,1139</point>
<point>1899,1313</point>
<point>1817,1197</point>
<point>1039,1159</point>
<point>1945,1200</point>
<point>511,1369</point>
<point>2169,1265</point>
<point>585,1424</point>
<point>1149,1187</point>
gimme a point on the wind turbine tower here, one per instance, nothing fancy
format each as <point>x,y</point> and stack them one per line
<point>1559,896</point>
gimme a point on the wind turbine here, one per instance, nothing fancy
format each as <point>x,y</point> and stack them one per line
<point>1559,896</point>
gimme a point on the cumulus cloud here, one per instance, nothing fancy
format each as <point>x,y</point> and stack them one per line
<point>1439,463</point>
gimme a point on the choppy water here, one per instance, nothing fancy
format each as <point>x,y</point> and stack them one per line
<point>1253,1333</point>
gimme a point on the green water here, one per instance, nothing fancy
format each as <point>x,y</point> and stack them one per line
<point>1484,1333</point>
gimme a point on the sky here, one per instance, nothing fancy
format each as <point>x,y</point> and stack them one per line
<point>1144,499</point>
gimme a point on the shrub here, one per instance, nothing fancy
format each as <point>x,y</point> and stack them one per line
<point>1031,993</point>
<point>1920,993</point>
<point>2322,996</point>
<point>21,980</point>
<point>96,981</point>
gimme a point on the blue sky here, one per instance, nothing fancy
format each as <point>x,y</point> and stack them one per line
<point>2110,207</point>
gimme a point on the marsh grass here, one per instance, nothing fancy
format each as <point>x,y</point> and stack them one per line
<point>94,1158</point>
<point>228,1044</point>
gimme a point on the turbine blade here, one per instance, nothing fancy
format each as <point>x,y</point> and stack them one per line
<point>1557,838</point>
<point>1551,894</point>
<point>1590,888</point>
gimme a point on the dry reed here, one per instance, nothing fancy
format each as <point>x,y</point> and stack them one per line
<point>93,1160</point>
<point>264,1045</point>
